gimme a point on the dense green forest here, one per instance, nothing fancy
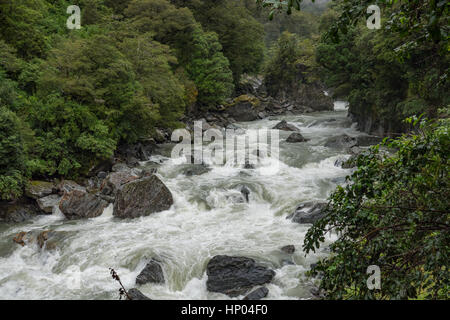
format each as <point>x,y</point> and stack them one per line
<point>69,98</point>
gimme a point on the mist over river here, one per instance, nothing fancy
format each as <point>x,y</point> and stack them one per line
<point>208,218</point>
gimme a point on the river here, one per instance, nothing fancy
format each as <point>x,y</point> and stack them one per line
<point>207,219</point>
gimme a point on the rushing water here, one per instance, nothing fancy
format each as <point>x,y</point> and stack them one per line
<point>207,219</point>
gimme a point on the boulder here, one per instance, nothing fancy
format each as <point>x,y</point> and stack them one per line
<point>46,204</point>
<point>244,108</point>
<point>39,189</point>
<point>18,212</point>
<point>296,137</point>
<point>235,276</point>
<point>290,249</point>
<point>114,181</point>
<point>342,141</point>
<point>152,273</point>
<point>257,294</point>
<point>135,294</point>
<point>309,212</point>
<point>142,198</point>
<point>79,204</point>
<point>284,126</point>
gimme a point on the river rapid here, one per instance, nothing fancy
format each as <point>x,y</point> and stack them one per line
<point>208,218</point>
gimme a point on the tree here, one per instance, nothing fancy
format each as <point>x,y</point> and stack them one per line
<point>198,52</point>
<point>209,69</point>
<point>93,72</point>
<point>241,35</point>
<point>393,213</point>
<point>13,170</point>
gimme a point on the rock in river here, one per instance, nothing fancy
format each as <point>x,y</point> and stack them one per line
<point>309,212</point>
<point>142,198</point>
<point>296,137</point>
<point>135,294</point>
<point>235,276</point>
<point>152,273</point>
<point>257,294</point>
<point>284,126</point>
<point>78,204</point>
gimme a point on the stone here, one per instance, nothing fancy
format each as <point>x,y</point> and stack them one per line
<point>135,294</point>
<point>78,204</point>
<point>244,108</point>
<point>142,198</point>
<point>235,276</point>
<point>257,294</point>
<point>296,137</point>
<point>115,180</point>
<point>152,273</point>
<point>284,126</point>
<point>39,189</point>
<point>308,212</point>
<point>17,212</point>
<point>46,204</point>
<point>290,249</point>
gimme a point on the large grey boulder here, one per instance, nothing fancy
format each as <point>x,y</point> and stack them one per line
<point>78,204</point>
<point>235,276</point>
<point>46,204</point>
<point>309,212</point>
<point>152,273</point>
<point>39,189</point>
<point>142,198</point>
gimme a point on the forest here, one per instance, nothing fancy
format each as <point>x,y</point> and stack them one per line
<point>138,69</point>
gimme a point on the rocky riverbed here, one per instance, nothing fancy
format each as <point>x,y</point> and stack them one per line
<point>181,231</point>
